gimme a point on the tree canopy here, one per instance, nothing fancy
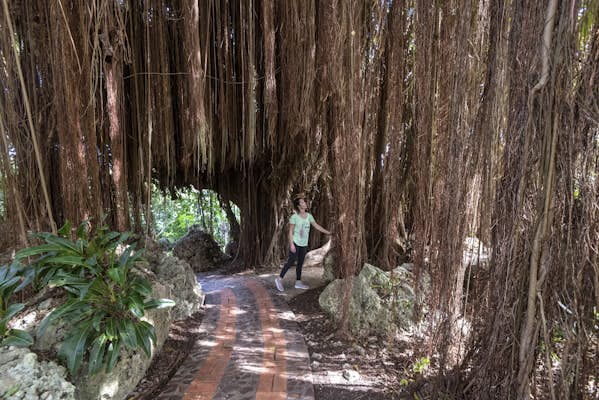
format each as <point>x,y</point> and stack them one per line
<point>411,124</point>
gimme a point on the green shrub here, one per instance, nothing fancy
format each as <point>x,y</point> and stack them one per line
<point>10,283</point>
<point>107,299</point>
<point>421,365</point>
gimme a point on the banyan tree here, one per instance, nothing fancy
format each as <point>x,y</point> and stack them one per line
<point>411,124</point>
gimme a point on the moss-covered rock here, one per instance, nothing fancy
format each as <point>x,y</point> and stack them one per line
<point>380,302</point>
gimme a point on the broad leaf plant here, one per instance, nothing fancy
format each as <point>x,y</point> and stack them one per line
<point>11,282</point>
<point>107,298</point>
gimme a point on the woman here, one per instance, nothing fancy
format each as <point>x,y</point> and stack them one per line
<point>299,230</point>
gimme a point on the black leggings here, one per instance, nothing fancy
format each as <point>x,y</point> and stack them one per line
<point>299,255</point>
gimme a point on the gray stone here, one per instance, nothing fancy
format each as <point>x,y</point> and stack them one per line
<point>170,278</point>
<point>51,339</point>
<point>185,289</point>
<point>316,256</point>
<point>351,375</point>
<point>199,249</point>
<point>380,302</point>
<point>29,360</point>
<point>22,376</point>
<point>367,310</point>
<point>327,271</point>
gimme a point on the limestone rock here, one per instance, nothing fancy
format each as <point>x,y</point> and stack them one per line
<point>22,376</point>
<point>380,302</point>
<point>316,256</point>
<point>404,283</point>
<point>367,311</point>
<point>186,291</point>
<point>199,249</point>
<point>329,260</point>
<point>170,278</point>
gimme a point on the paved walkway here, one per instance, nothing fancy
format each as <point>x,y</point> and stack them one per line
<point>250,348</point>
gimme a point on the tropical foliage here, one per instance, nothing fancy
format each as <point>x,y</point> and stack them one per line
<point>173,215</point>
<point>10,283</point>
<point>107,298</point>
<point>423,121</point>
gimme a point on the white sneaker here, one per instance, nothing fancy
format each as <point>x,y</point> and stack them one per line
<point>279,284</point>
<point>301,285</point>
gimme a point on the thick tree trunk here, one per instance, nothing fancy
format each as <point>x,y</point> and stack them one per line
<point>114,91</point>
<point>71,66</point>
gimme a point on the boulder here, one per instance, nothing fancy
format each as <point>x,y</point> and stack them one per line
<point>368,310</point>
<point>22,376</point>
<point>132,365</point>
<point>32,316</point>
<point>405,277</point>
<point>185,289</point>
<point>316,256</point>
<point>328,275</point>
<point>199,249</point>
<point>52,338</point>
<point>403,281</point>
<point>380,302</point>
<point>170,278</point>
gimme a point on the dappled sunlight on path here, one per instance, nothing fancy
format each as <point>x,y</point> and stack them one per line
<point>250,347</point>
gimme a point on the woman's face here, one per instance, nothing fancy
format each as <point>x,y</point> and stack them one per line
<point>302,205</point>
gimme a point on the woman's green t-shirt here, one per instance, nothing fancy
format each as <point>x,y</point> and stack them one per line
<point>301,228</point>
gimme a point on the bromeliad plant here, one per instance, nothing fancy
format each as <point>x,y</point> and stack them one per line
<point>10,283</point>
<point>107,298</point>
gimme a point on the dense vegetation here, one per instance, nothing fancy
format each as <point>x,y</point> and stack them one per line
<point>173,215</point>
<point>411,124</point>
<point>106,297</point>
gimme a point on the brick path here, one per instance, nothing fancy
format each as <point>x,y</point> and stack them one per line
<point>250,347</point>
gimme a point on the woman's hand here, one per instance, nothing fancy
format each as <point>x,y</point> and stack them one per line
<point>292,248</point>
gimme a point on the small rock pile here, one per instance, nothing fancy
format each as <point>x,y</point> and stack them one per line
<point>22,376</point>
<point>199,249</point>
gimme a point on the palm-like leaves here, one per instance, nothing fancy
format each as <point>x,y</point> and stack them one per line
<point>106,299</point>
<point>11,282</point>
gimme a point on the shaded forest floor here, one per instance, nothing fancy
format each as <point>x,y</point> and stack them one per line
<point>346,368</point>
<point>371,368</point>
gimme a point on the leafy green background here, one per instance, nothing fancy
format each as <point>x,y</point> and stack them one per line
<point>173,215</point>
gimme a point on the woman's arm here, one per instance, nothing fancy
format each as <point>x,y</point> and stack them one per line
<point>320,228</point>
<point>291,245</point>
